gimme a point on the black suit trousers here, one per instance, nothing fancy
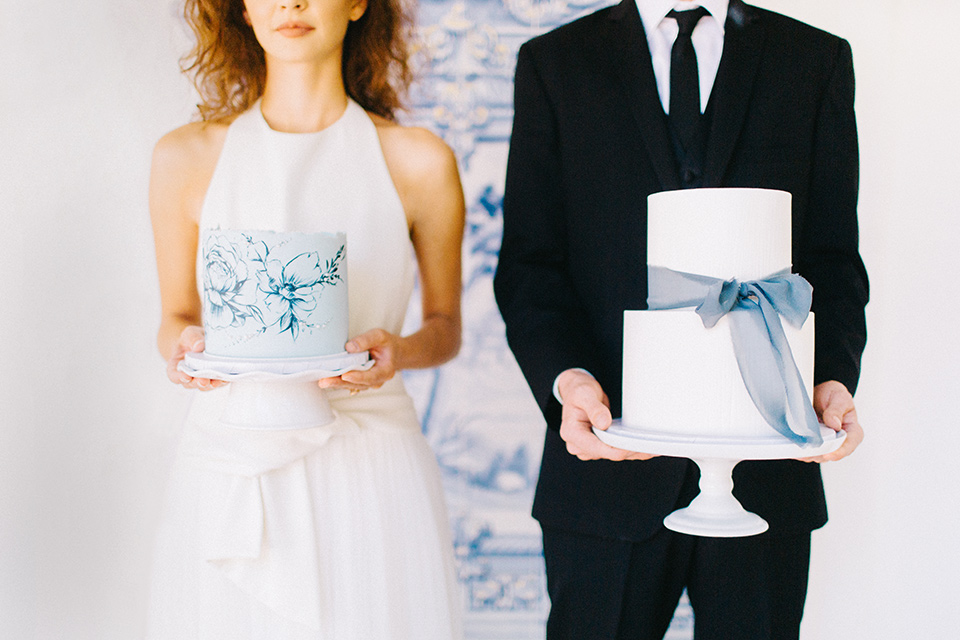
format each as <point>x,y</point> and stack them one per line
<point>749,588</point>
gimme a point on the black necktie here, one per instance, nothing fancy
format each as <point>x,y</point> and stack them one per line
<point>684,79</point>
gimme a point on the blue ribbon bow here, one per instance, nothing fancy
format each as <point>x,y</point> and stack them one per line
<point>766,362</point>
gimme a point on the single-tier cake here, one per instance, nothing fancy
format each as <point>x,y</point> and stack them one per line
<point>680,378</point>
<point>273,295</point>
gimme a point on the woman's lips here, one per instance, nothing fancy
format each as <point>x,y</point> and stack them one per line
<point>294,29</point>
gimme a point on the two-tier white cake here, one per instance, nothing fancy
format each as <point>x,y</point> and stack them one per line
<point>680,378</point>
<point>273,295</point>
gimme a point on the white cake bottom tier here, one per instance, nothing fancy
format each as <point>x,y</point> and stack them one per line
<point>680,378</point>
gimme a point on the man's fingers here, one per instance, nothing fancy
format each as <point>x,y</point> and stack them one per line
<point>589,403</point>
<point>583,443</point>
<point>586,446</point>
<point>585,406</point>
<point>854,437</point>
<point>835,409</point>
<point>598,450</point>
<point>833,418</point>
<point>838,409</point>
<point>600,416</point>
<point>852,441</point>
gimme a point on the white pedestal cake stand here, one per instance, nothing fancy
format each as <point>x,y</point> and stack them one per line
<point>715,512</point>
<point>275,394</point>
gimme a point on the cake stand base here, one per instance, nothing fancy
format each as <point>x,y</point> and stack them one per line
<point>275,394</point>
<point>715,512</point>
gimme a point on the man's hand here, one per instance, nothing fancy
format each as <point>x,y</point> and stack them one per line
<point>834,407</point>
<point>585,405</point>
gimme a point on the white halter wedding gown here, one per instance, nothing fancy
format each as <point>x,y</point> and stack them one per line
<point>337,532</point>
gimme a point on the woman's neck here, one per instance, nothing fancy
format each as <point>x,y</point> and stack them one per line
<point>302,98</point>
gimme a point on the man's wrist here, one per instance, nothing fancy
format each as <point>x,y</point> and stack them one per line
<point>556,382</point>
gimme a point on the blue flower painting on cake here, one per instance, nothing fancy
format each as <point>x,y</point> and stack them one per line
<point>292,288</point>
<point>273,288</point>
<point>229,292</point>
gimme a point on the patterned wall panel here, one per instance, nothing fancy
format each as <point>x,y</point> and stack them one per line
<point>477,410</point>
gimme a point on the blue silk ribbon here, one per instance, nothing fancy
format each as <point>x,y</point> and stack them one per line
<point>766,362</point>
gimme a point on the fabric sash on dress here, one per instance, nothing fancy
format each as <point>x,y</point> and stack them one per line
<point>256,514</point>
<point>766,362</point>
<point>257,517</point>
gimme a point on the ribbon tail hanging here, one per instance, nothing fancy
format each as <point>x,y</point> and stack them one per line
<point>770,373</point>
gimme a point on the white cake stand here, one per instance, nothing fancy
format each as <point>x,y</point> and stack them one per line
<point>275,394</point>
<point>715,512</point>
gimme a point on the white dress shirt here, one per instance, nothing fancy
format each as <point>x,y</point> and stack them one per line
<point>661,32</point>
<point>707,41</point>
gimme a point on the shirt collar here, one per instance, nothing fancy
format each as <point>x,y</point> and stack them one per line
<point>652,12</point>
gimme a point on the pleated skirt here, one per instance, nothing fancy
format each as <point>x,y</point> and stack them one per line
<point>342,538</point>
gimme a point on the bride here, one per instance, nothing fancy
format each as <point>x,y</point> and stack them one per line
<point>340,531</point>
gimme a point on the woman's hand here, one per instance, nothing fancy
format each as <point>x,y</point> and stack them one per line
<point>384,348</point>
<point>191,340</point>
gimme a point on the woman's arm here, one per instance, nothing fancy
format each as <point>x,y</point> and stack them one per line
<point>183,162</point>
<point>427,179</point>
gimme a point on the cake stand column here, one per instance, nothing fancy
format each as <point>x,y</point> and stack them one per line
<point>275,394</point>
<point>715,512</point>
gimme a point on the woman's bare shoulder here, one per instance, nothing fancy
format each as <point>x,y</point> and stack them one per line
<point>191,147</point>
<point>425,172</point>
<point>414,153</point>
<point>182,166</point>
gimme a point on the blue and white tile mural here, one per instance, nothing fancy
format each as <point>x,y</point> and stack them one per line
<point>477,411</point>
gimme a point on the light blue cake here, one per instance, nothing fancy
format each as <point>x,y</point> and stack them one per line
<point>273,294</point>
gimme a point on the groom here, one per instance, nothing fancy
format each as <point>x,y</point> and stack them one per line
<point>769,104</point>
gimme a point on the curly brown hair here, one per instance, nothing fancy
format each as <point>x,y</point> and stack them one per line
<point>229,70</point>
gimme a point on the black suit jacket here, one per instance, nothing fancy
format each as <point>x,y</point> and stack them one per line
<point>590,142</point>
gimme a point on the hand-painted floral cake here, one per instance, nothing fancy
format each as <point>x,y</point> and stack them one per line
<point>273,295</point>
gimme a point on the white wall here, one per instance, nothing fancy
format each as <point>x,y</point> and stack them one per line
<point>87,421</point>
<point>888,564</point>
<point>87,424</point>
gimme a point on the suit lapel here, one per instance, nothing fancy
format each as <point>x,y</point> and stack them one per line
<point>634,69</point>
<point>742,49</point>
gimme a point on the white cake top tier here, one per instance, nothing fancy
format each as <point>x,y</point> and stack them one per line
<point>724,233</point>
